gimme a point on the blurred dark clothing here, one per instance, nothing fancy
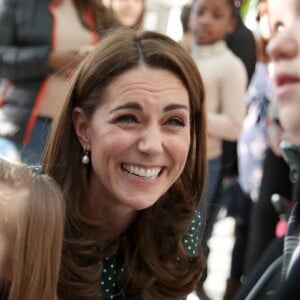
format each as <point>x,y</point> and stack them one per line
<point>263,217</point>
<point>31,32</point>
<point>242,43</point>
<point>289,289</point>
<point>25,42</point>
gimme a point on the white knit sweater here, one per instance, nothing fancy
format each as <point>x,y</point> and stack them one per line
<point>225,81</point>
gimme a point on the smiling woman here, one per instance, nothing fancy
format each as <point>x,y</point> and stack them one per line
<point>143,127</point>
<point>132,227</point>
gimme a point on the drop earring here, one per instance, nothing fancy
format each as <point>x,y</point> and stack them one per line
<point>85,158</point>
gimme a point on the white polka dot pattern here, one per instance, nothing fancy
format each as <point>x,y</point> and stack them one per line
<point>113,266</point>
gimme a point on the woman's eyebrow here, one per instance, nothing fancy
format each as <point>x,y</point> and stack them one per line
<point>137,106</point>
<point>176,106</point>
<point>128,105</point>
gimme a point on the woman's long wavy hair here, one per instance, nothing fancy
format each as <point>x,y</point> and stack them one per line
<point>35,231</point>
<point>156,264</point>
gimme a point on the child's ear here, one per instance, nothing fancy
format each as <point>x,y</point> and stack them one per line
<point>231,26</point>
<point>81,126</point>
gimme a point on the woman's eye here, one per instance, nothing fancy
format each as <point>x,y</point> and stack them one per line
<point>127,119</point>
<point>176,122</point>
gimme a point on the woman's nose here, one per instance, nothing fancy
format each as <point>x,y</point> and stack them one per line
<point>282,46</point>
<point>151,141</point>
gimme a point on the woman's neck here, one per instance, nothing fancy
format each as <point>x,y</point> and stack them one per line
<point>115,216</point>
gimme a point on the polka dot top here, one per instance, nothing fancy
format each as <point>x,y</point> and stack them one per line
<point>113,266</point>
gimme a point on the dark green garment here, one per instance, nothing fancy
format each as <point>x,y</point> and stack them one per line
<point>113,266</point>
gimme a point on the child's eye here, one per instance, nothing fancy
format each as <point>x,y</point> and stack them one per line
<point>127,119</point>
<point>175,121</point>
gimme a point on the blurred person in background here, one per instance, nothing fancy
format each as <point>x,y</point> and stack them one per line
<point>225,95</point>
<point>41,44</point>
<point>241,41</point>
<point>284,54</point>
<point>275,180</point>
<point>210,22</point>
<point>128,13</point>
<point>251,152</point>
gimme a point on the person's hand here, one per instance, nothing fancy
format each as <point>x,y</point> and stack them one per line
<point>275,133</point>
<point>64,62</point>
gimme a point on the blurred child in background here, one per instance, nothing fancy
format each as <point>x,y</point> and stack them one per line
<point>31,233</point>
<point>225,81</point>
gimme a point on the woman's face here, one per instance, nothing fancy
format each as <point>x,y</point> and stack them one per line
<point>127,12</point>
<point>139,138</point>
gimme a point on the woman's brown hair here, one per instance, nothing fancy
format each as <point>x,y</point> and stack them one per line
<point>156,264</point>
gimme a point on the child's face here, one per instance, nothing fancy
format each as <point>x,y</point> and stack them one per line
<point>284,52</point>
<point>211,20</point>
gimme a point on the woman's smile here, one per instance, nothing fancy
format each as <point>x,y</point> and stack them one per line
<point>141,172</point>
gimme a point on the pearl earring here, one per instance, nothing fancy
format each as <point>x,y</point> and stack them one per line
<point>85,158</point>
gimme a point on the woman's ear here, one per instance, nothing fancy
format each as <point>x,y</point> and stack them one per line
<point>81,126</point>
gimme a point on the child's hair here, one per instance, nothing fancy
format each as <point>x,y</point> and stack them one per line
<point>234,5</point>
<point>37,231</point>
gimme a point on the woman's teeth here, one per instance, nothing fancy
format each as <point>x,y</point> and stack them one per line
<point>136,171</point>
